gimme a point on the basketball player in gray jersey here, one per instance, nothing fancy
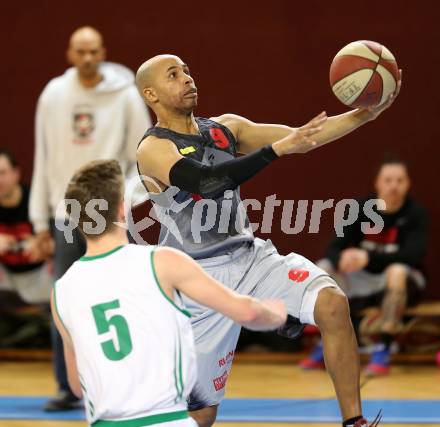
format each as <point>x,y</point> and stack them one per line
<point>196,174</point>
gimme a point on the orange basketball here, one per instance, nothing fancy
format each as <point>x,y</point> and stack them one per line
<point>363,74</point>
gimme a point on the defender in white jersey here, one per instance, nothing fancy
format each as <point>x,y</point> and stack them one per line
<point>128,341</point>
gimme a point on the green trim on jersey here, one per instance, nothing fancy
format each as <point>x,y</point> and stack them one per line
<point>185,312</point>
<point>180,366</point>
<point>91,258</point>
<point>178,376</point>
<point>176,384</point>
<point>91,407</point>
<point>144,421</point>
<point>56,306</point>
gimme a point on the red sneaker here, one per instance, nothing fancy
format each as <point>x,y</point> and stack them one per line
<point>310,364</point>
<point>362,422</point>
<point>377,370</point>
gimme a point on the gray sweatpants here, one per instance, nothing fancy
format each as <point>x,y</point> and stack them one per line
<point>253,269</point>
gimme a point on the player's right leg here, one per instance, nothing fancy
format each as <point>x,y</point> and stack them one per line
<point>332,316</point>
<point>215,337</point>
<point>349,284</point>
<point>205,417</point>
<point>313,297</point>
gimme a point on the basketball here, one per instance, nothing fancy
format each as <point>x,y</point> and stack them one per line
<point>363,74</point>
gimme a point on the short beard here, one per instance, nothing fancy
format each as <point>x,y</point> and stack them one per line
<point>88,75</point>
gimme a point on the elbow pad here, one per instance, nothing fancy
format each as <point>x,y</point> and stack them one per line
<point>212,181</point>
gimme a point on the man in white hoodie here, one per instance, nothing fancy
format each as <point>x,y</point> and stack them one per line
<point>93,111</point>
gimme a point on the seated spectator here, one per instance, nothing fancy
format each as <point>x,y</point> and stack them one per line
<point>383,269</point>
<point>22,261</point>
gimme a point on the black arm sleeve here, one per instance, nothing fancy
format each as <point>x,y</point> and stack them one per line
<point>212,181</point>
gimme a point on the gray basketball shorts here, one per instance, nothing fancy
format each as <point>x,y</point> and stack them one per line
<point>258,270</point>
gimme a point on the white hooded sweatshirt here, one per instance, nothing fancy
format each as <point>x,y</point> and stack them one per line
<point>75,125</point>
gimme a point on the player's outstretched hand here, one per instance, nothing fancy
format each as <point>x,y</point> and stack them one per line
<point>301,139</point>
<point>374,112</point>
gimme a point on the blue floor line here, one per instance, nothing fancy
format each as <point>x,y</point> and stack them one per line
<point>257,410</point>
<point>319,410</point>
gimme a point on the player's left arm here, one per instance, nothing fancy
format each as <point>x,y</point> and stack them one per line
<point>69,352</point>
<point>252,136</point>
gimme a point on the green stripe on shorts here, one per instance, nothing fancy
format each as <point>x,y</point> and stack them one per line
<point>144,421</point>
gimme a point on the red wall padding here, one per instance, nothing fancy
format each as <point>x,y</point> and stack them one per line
<point>268,61</point>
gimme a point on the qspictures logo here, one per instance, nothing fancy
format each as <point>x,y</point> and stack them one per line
<point>207,216</point>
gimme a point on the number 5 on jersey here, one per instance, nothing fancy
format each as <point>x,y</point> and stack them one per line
<point>103,324</point>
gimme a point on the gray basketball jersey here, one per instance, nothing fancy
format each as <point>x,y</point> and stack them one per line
<point>201,227</point>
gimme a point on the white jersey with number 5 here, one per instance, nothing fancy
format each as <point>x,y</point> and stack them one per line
<point>134,346</point>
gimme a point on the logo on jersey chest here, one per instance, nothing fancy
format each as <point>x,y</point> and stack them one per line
<point>187,150</point>
<point>219,138</point>
<point>388,235</point>
<point>83,124</point>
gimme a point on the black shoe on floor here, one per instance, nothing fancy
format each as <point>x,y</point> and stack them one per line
<point>64,401</point>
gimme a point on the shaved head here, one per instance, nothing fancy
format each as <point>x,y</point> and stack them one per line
<point>165,84</point>
<point>86,52</point>
<point>146,72</point>
<point>86,34</point>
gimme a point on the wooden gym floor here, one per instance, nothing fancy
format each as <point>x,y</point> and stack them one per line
<point>253,380</point>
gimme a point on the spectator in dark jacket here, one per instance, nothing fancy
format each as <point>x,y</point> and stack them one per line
<point>381,269</point>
